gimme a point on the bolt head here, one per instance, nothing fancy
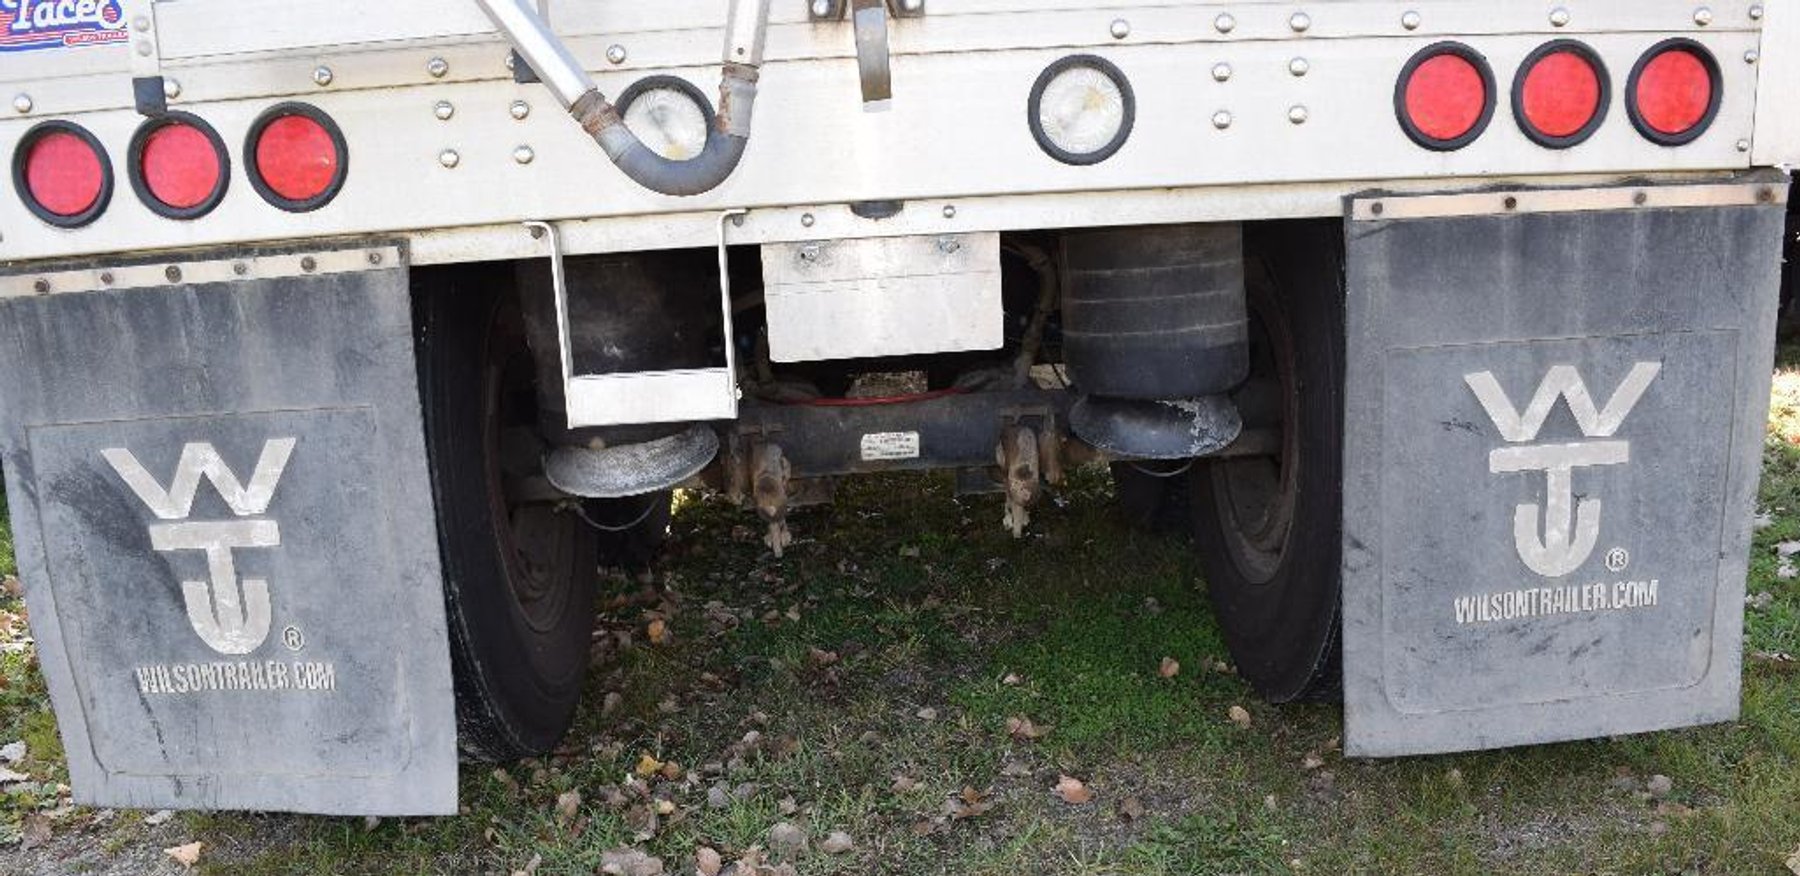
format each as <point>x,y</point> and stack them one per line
<point>1221,120</point>
<point>524,155</point>
<point>1559,17</point>
<point>444,110</point>
<point>949,211</point>
<point>1221,72</point>
<point>171,88</point>
<point>520,109</point>
<point>1751,57</point>
<point>1300,22</point>
<point>1299,67</point>
<point>911,5</point>
<point>1411,20</point>
<point>437,67</point>
<point>616,54</point>
<point>1225,23</point>
<point>449,158</point>
<point>1120,28</point>
<point>140,23</point>
<point>820,8</point>
<point>1298,115</point>
<point>1703,16</point>
<point>1743,145</point>
<point>22,103</point>
<point>1756,12</point>
<point>807,220</point>
<point>322,75</point>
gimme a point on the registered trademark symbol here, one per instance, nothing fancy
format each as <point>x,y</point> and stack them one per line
<point>1617,559</point>
<point>292,639</point>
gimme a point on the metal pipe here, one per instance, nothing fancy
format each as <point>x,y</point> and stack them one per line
<point>746,30</point>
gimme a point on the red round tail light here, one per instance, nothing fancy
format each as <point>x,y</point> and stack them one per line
<point>1445,96</point>
<point>179,166</point>
<point>1561,94</point>
<point>297,158</point>
<point>1674,92</point>
<point>62,174</point>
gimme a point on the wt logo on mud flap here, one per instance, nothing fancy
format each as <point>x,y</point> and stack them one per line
<point>1570,526</point>
<point>229,614</point>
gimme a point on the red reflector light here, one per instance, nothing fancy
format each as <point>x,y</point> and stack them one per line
<point>179,166</point>
<point>297,157</point>
<point>1674,92</point>
<point>1445,96</point>
<point>62,174</point>
<point>1561,94</point>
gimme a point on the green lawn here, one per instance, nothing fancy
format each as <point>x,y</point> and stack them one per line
<point>865,685</point>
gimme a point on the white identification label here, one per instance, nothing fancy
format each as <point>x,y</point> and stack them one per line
<point>890,445</point>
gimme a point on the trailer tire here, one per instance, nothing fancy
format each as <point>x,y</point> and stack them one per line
<point>519,576</point>
<point>1268,528</point>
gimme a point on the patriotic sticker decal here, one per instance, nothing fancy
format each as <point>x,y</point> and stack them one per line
<point>28,25</point>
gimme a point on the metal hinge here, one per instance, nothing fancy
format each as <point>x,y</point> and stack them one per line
<point>833,10</point>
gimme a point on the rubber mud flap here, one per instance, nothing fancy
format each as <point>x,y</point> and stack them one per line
<point>1555,408</point>
<point>223,523</point>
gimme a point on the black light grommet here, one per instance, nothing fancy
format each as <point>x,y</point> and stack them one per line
<point>1035,105</point>
<point>134,166</point>
<point>1713,73</point>
<point>316,115</point>
<point>1488,87</point>
<point>20,185</point>
<point>1603,105</point>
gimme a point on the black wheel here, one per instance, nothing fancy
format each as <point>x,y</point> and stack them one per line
<point>519,569</point>
<point>1268,526</point>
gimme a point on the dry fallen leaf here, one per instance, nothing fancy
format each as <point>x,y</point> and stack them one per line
<point>708,862</point>
<point>1022,729</point>
<point>1073,791</point>
<point>821,657</point>
<point>904,784</point>
<point>1131,809</point>
<point>1012,679</point>
<point>968,804</point>
<point>1312,762</point>
<point>1239,716</point>
<point>648,766</point>
<point>187,855</point>
<point>1793,862</point>
<point>567,804</point>
<point>927,714</point>
<point>35,831</point>
<point>1170,668</point>
<point>658,632</point>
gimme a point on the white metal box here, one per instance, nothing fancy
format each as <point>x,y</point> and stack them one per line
<point>895,296</point>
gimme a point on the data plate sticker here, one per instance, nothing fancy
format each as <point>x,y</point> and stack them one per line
<point>890,445</point>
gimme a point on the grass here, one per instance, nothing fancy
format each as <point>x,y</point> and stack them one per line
<point>864,685</point>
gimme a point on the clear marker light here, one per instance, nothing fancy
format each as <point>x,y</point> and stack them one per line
<point>1082,110</point>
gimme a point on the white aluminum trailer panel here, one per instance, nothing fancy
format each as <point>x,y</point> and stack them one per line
<point>1215,108</point>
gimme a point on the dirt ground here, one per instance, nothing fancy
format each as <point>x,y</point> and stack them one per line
<point>910,690</point>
